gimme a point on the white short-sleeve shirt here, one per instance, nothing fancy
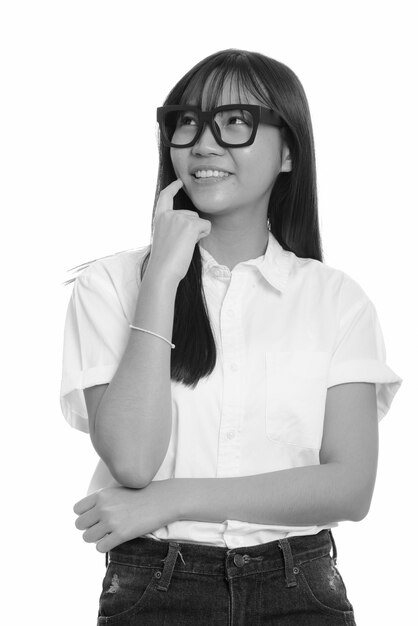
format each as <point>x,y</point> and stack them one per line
<point>286,329</point>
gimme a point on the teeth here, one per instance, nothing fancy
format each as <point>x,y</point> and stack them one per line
<point>209,173</point>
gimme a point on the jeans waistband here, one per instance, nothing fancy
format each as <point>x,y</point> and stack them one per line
<point>199,558</point>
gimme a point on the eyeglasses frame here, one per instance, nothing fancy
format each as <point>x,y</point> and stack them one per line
<point>259,113</point>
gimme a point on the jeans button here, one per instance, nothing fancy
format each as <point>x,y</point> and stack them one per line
<point>239,560</point>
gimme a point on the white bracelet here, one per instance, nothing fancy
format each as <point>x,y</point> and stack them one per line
<point>151,333</point>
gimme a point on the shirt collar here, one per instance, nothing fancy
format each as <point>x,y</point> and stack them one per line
<point>274,264</point>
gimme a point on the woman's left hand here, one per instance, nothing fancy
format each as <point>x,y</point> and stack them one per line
<point>117,514</point>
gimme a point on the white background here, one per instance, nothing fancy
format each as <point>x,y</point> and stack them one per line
<point>81,82</point>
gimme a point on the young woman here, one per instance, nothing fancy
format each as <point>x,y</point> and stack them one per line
<point>231,382</point>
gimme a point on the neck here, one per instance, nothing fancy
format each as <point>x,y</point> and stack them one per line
<point>230,247</point>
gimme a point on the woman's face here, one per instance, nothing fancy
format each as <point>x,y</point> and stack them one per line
<point>252,169</point>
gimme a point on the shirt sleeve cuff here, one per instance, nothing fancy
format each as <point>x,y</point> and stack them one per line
<point>73,405</point>
<point>369,371</point>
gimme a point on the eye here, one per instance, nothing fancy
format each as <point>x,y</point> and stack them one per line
<point>239,118</point>
<point>187,119</point>
<point>235,117</point>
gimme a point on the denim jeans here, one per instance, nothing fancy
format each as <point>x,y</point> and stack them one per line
<point>288,582</point>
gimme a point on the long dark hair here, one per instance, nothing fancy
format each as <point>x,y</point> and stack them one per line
<point>293,204</point>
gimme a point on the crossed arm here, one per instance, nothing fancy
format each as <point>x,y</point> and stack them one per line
<point>338,489</point>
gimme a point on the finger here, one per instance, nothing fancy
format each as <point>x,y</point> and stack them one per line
<point>194,214</point>
<point>85,504</point>
<point>95,533</point>
<point>87,519</point>
<point>109,541</point>
<point>165,199</point>
<point>206,228</point>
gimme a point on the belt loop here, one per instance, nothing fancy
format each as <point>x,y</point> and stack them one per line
<point>334,547</point>
<point>289,568</point>
<point>169,563</point>
<point>106,559</point>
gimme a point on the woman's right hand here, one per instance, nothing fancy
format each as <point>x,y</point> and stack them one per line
<point>175,235</point>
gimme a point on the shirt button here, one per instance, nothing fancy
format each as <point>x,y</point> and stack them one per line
<point>217,272</point>
<point>231,434</point>
<point>234,367</point>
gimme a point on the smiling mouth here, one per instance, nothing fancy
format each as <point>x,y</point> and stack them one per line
<point>209,172</point>
<point>210,179</point>
<point>210,175</point>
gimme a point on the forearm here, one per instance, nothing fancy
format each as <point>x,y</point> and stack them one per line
<point>303,496</point>
<point>132,427</point>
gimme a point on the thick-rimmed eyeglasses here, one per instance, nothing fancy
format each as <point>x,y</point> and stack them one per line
<point>232,125</point>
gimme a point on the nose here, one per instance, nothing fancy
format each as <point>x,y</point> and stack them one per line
<point>207,144</point>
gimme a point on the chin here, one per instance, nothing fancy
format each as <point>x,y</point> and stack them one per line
<point>210,205</point>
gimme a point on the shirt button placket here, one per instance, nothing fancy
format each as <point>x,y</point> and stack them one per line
<point>232,407</point>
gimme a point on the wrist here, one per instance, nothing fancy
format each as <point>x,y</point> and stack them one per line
<point>156,276</point>
<point>181,496</point>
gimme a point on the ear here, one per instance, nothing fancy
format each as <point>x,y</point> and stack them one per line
<point>286,160</point>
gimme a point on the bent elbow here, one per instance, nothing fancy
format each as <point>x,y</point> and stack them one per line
<point>364,505</point>
<point>358,514</point>
<point>356,491</point>
<point>127,477</point>
<point>359,507</point>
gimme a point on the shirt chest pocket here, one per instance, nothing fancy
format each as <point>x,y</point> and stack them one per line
<point>296,390</point>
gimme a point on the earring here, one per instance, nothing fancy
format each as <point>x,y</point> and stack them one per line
<point>268,224</point>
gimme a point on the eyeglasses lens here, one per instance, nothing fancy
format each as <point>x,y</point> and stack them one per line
<point>234,126</point>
